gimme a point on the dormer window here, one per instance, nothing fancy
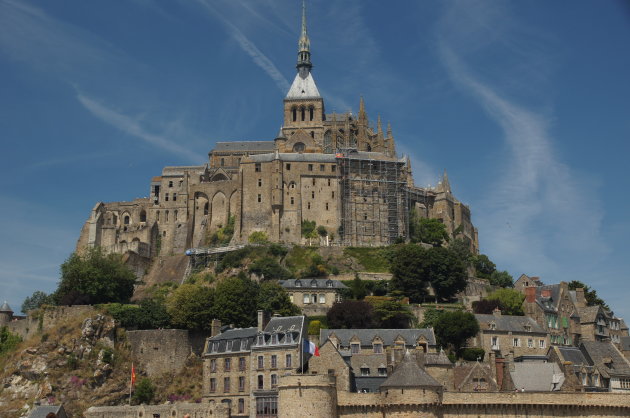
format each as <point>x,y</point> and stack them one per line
<point>378,348</point>
<point>329,283</point>
<point>298,283</point>
<point>230,343</point>
<point>260,340</point>
<point>313,283</point>
<point>243,344</point>
<point>528,328</point>
<point>492,326</point>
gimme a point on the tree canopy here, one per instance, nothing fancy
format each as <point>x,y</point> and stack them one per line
<point>272,298</point>
<point>351,314</point>
<point>95,277</point>
<point>236,301</point>
<point>510,299</point>
<point>191,306</point>
<point>483,266</point>
<point>414,268</point>
<point>427,230</point>
<point>501,279</point>
<point>392,314</point>
<point>453,328</point>
<point>36,300</point>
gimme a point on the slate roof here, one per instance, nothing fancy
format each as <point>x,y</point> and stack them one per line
<point>371,361</point>
<point>242,339</point>
<point>281,330</point>
<point>255,146</point>
<point>599,352</point>
<point>437,359</point>
<point>510,323</point>
<point>548,303</point>
<point>387,335</point>
<point>574,355</point>
<point>622,324</point>
<point>43,410</point>
<point>371,383</point>
<point>303,88</point>
<point>5,307</point>
<point>625,343</point>
<point>588,314</point>
<point>537,377</point>
<point>307,283</point>
<point>409,374</point>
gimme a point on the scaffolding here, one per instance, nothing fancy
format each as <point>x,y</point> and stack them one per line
<point>374,204</point>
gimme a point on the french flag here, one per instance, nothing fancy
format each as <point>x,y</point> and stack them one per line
<point>310,348</point>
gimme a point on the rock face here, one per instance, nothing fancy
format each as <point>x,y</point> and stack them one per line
<point>65,364</point>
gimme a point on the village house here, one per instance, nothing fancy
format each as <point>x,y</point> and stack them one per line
<point>315,296</point>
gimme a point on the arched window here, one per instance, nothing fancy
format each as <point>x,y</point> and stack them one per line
<point>176,214</point>
<point>166,216</point>
<point>126,220</point>
<point>303,110</point>
<point>294,113</point>
<point>310,112</point>
<point>299,147</point>
<point>143,216</point>
<point>205,208</point>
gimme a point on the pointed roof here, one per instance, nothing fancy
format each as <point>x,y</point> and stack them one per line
<point>409,374</point>
<point>5,307</point>
<point>303,88</point>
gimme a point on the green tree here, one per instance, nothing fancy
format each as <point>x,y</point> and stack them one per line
<point>427,230</point>
<point>589,294</point>
<point>483,266</point>
<point>95,277</point>
<point>392,314</point>
<point>8,341</point>
<point>501,279</point>
<point>272,298</point>
<point>236,301</point>
<point>358,288</point>
<point>270,269</point>
<point>145,391</point>
<point>191,306</point>
<point>511,299</point>
<point>453,328</point>
<point>431,315</point>
<point>408,272</point>
<point>351,314</point>
<point>446,272</point>
<point>461,247</point>
<point>309,230</point>
<point>487,306</point>
<point>36,300</point>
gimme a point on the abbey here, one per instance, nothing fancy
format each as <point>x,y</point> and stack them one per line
<point>337,170</point>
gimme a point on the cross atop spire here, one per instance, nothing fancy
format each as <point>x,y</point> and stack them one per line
<point>304,48</point>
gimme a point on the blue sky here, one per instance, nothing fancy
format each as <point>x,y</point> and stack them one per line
<point>526,104</point>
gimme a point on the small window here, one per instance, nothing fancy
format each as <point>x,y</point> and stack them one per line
<point>329,283</point>
<point>213,365</point>
<point>289,361</point>
<point>241,361</point>
<point>259,198</point>
<point>166,197</point>
<point>259,182</point>
<point>355,348</point>
<point>326,205</point>
<point>516,342</point>
<point>143,216</point>
<point>126,220</point>
<point>261,362</point>
<point>222,162</point>
<point>226,384</point>
<point>288,166</point>
<point>382,371</point>
<point>365,371</point>
<point>174,197</point>
<point>274,381</point>
<point>312,134</point>
<point>257,168</point>
<point>261,381</point>
<point>292,200</point>
<point>241,404</point>
<point>322,298</point>
<point>294,114</point>
<point>213,384</point>
<point>312,195</point>
<point>310,167</point>
<point>227,364</point>
<point>333,194</point>
<point>378,348</point>
<point>541,343</point>
<point>274,361</point>
<point>310,115</point>
<point>333,168</point>
<point>322,167</point>
<point>170,183</point>
<point>166,216</point>
<point>328,182</point>
<point>308,205</point>
<point>306,299</point>
<point>530,343</point>
<point>313,181</point>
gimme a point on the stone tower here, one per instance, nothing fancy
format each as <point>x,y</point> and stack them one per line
<point>6,314</point>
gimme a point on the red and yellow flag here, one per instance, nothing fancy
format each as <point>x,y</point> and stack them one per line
<point>133,374</point>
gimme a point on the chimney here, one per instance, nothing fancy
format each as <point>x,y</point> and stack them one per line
<point>496,312</point>
<point>530,294</point>
<point>580,300</point>
<point>261,319</point>
<point>215,328</point>
<point>499,364</point>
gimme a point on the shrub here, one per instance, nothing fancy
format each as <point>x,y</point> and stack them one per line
<point>314,327</point>
<point>473,353</point>
<point>144,391</point>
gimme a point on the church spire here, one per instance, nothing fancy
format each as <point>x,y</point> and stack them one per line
<point>304,48</point>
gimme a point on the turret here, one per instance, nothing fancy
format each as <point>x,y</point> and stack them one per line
<point>6,314</point>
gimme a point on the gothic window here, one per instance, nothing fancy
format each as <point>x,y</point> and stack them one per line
<point>294,113</point>
<point>126,220</point>
<point>328,142</point>
<point>299,147</point>
<point>303,111</point>
<point>310,112</point>
<point>143,216</point>
<point>205,208</point>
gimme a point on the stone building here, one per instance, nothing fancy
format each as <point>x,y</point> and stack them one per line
<point>315,296</point>
<point>554,309</point>
<point>242,366</point>
<point>6,314</point>
<point>510,336</point>
<point>338,170</point>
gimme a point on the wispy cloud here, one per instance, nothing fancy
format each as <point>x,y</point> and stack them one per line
<point>535,216</point>
<point>132,127</point>
<point>250,48</point>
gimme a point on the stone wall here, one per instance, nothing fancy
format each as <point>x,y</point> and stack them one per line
<point>177,410</point>
<point>159,351</point>
<point>312,396</point>
<point>41,320</point>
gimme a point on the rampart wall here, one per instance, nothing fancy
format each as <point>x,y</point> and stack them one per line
<point>159,351</point>
<point>177,410</point>
<point>41,320</point>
